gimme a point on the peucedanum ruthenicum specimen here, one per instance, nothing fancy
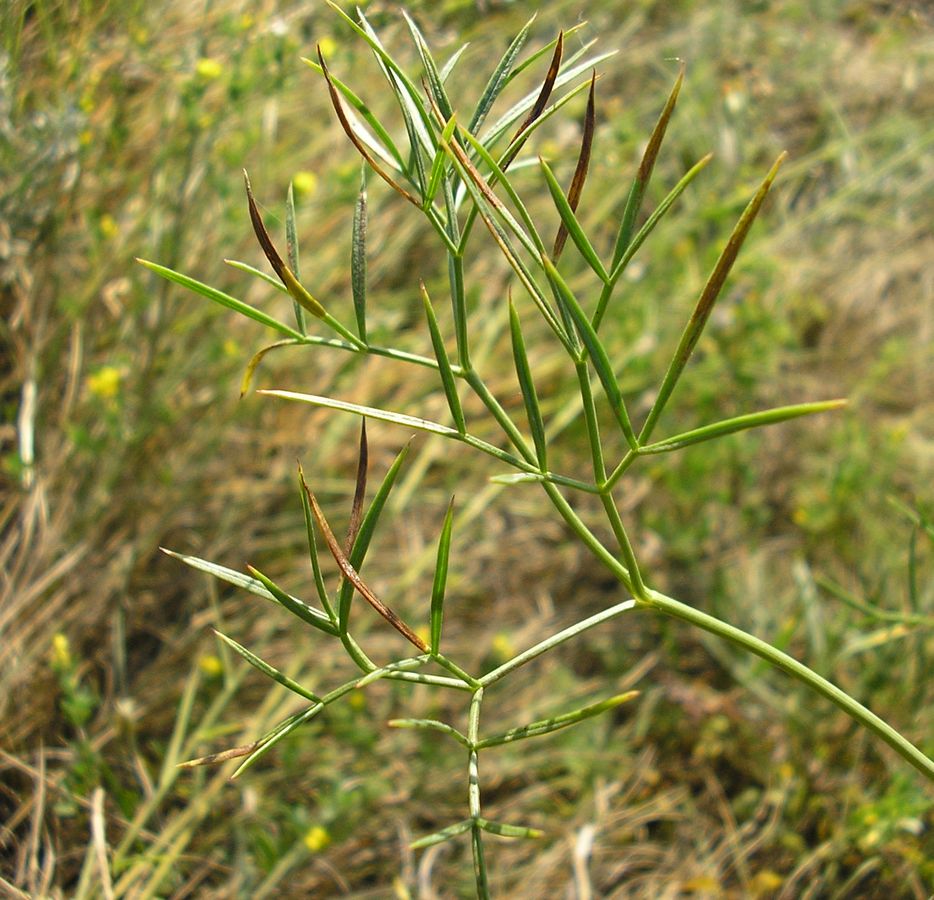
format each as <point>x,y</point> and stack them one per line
<point>454,170</point>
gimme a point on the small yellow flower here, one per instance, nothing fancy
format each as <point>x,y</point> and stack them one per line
<point>108,226</point>
<point>246,22</point>
<point>105,382</point>
<point>211,666</point>
<point>305,183</point>
<point>503,647</point>
<point>316,838</point>
<point>86,138</point>
<point>328,46</point>
<point>61,653</point>
<point>231,348</point>
<point>208,69</point>
<point>357,700</point>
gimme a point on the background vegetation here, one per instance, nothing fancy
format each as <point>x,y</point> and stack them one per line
<point>123,128</point>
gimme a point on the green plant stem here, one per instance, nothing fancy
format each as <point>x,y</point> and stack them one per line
<point>502,417</point>
<point>473,795</point>
<point>456,670</point>
<point>798,670</point>
<point>630,457</point>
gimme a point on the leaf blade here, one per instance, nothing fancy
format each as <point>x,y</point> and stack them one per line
<point>439,583</point>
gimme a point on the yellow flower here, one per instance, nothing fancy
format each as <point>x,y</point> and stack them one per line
<point>305,183</point>
<point>328,46</point>
<point>108,226</point>
<point>211,666</point>
<point>61,653</point>
<point>105,382</point>
<point>503,647</point>
<point>316,838</point>
<point>208,69</point>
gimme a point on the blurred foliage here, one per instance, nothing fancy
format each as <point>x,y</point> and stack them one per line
<point>123,127</point>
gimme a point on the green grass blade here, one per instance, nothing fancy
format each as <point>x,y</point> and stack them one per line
<point>358,257</point>
<point>320,586</point>
<point>527,386</point>
<point>499,78</point>
<point>546,726</point>
<point>741,423</point>
<point>439,583</point>
<point>221,298</point>
<point>291,245</point>
<point>384,147</point>
<point>430,725</point>
<point>439,163</point>
<point>293,605</point>
<point>598,354</point>
<point>513,831</point>
<point>444,364</point>
<point>571,225</point>
<point>445,834</point>
<point>708,297</point>
<point>644,172</point>
<point>267,669</point>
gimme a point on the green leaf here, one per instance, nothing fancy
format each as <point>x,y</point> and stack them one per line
<point>439,163</point>
<point>220,298</point>
<point>267,669</point>
<point>433,76</point>
<point>644,173</point>
<point>545,49</point>
<point>527,386</point>
<point>430,725</point>
<point>259,273</point>
<point>741,423</point>
<point>598,354</point>
<point>293,605</point>
<point>504,830</point>
<point>291,245</point>
<point>384,147</point>
<point>546,726</point>
<point>444,364</point>
<point>313,548</point>
<point>571,225</point>
<point>439,837</point>
<point>452,62</point>
<point>499,78</point>
<point>254,586</point>
<point>358,257</point>
<point>440,580</point>
<point>705,302</point>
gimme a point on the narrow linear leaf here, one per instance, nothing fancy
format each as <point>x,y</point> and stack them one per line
<point>708,297</point>
<point>320,586</point>
<point>439,583</point>
<point>257,359</point>
<point>546,726</point>
<point>448,67</point>
<point>291,246</point>
<point>518,478</point>
<point>499,77</point>
<point>351,134</point>
<point>741,423</point>
<point>580,173</point>
<point>444,364</point>
<point>258,273</point>
<point>435,81</point>
<point>370,412</point>
<point>385,148</point>
<point>351,575</point>
<point>253,585</point>
<point>527,387</point>
<point>298,291</point>
<point>222,756</point>
<point>393,668</point>
<point>220,298</point>
<point>439,837</point>
<point>430,725</point>
<point>657,215</point>
<point>571,225</point>
<point>359,494</point>
<point>598,354</point>
<point>267,669</point>
<point>439,163</point>
<point>644,172</point>
<point>513,831</point>
<point>545,49</point>
<point>358,260</point>
<point>293,605</point>
<point>541,101</point>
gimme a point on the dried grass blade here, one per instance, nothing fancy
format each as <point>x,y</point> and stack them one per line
<point>708,297</point>
<point>583,164</point>
<point>257,359</point>
<point>349,131</point>
<point>359,494</point>
<point>351,575</point>
<point>313,549</point>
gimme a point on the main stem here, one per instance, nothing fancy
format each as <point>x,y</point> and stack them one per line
<point>473,796</point>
